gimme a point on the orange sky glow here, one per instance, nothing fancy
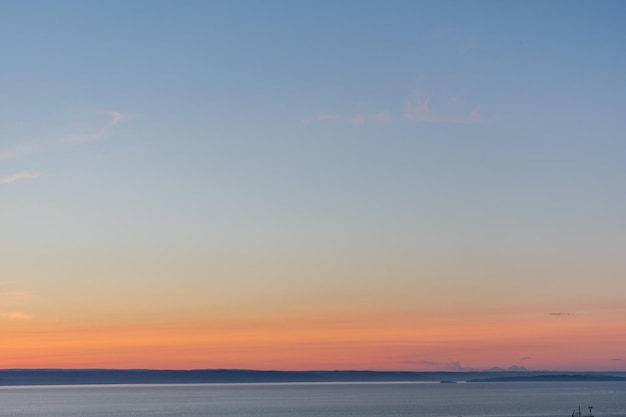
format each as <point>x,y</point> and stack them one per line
<point>399,341</point>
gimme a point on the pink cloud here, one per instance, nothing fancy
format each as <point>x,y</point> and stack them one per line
<point>420,111</point>
<point>119,117</point>
<point>23,175</point>
<point>454,111</point>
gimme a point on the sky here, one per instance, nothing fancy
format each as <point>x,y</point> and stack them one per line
<point>396,185</point>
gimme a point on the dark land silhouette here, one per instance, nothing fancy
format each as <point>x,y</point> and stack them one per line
<point>147,376</point>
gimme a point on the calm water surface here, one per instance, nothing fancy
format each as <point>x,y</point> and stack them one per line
<point>539,399</point>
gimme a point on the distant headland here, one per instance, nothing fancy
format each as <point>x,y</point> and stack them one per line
<point>20,377</point>
<point>585,377</point>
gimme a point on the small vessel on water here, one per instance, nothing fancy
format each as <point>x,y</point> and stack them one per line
<point>580,414</point>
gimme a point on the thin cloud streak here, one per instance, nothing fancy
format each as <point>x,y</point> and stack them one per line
<point>15,315</point>
<point>420,111</point>
<point>23,175</point>
<point>115,119</point>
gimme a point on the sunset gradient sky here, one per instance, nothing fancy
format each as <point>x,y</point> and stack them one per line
<point>395,185</point>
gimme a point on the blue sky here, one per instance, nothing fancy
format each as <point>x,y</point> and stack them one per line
<point>263,103</point>
<point>478,133</point>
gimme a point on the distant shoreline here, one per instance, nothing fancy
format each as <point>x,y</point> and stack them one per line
<point>579,377</point>
<point>28,377</point>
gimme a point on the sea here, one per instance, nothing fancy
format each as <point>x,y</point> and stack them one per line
<point>412,399</point>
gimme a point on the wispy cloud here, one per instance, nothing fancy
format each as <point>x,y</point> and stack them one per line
<point>117,117</point>
<point>114,117</point>
<point>558,314</point>
<point>446,109</point>
<point>15,315</point>
<point>421,111</point>
<point>111,120</point>
<point>101,129</point>
<point>23,175</point>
